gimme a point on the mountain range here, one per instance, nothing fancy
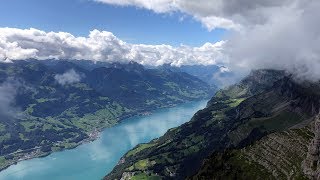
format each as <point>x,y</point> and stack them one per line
<point>264,127</point>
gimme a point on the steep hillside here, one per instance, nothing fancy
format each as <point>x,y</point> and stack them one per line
<point>134,85</point>
<point>261,108</point>
<point>276,156</point>
<point>48,106</point>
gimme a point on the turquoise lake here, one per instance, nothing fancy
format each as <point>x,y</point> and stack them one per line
<point>94,160</point>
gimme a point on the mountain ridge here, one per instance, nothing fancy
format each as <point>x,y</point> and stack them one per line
<point>264,103</point>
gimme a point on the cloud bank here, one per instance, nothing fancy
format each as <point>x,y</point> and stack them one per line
<point>20,44</point>
<point>69,77</point>
<point>268,33</point>
<point>289,39</point>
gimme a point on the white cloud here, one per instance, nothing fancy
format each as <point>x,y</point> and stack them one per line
<point>8,92</point>
<point>69,77</point>
<point>287,40</point>
<point>213,22</point>
<point>18,44</point>
<point>193,8</point>
<point>228,14</point>
<point>270,33</point>
<point>13,51</point>
<point>159,6</point>
<point>183,55</point>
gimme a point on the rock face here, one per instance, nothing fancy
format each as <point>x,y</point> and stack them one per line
<point>275,156</point>
<point>311,165</point>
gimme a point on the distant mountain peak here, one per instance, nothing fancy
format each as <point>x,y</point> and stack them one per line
<point>131,66</point>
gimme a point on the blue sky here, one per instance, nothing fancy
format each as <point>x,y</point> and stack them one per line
<point>128,23</point>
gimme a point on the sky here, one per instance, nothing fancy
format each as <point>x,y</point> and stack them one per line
<point>131,24</point>
<point>237,34</point>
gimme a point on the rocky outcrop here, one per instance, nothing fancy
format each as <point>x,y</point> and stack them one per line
<point>127,176</point>
<point>311,165</point>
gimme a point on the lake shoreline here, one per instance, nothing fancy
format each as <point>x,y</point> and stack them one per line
<point>96,135</point>
<point>95,159</point>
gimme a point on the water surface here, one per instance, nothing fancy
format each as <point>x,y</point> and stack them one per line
<point>94,160</point>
